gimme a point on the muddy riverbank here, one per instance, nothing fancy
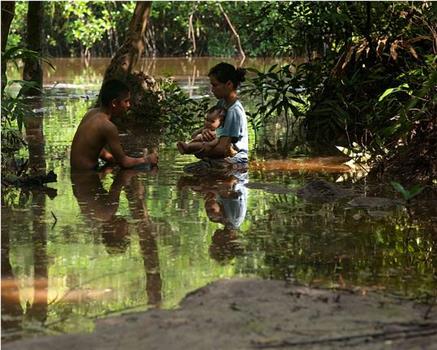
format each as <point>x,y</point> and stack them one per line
<point>257,314</point>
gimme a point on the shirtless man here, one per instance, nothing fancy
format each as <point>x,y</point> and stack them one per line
<point>97,137</point>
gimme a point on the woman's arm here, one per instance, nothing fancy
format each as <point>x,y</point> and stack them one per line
<point>207,146</point>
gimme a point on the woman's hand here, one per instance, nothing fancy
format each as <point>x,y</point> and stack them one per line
<point>208,135</point>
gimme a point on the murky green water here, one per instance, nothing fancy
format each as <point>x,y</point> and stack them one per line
<point>97,245</point>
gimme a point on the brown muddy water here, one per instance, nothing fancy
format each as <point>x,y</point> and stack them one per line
<point>95,245</point>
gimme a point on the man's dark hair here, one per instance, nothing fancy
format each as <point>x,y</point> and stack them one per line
<point>111,90</point>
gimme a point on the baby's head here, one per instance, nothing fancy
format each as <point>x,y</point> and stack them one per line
<point>214,117</point>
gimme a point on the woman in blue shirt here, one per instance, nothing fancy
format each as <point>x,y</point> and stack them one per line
<point>225,79</point>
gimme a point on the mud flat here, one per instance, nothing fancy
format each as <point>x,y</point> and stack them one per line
<point>259,314</point>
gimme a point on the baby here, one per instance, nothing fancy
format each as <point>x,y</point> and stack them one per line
<point>214,119</point>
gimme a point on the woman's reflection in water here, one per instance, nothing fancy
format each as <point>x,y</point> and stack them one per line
<point>100,206</point>
<point>225,203</point>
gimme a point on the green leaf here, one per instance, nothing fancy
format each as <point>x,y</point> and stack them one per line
<point>398,187</point>
<point>415,190</point>
<point>402,87</point>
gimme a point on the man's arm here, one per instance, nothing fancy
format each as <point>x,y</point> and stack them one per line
<point>106,156</point>
<point>113,141</point>
<point>219,151</point>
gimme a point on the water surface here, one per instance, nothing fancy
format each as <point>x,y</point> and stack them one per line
<point>101,244</point>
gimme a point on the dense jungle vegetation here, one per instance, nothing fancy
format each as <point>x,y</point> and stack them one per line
<point>367,84</point>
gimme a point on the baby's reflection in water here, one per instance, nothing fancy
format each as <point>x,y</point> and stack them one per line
<point>100,206</point>
<point>225,203</point>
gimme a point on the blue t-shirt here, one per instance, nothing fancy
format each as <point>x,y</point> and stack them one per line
<point>235,207</point>
<point>235,127</point>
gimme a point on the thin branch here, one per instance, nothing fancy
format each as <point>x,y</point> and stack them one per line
<point>237,37</point>
<point>191,34</point>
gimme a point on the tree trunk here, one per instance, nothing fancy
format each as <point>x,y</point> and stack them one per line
<point>368,29</point>
<point>126,59</point>
<point>128,55</point>
<point>8,11</point>
<point>35,139</point>
<point>32,67</point>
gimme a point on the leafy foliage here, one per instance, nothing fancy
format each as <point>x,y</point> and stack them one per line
<point>279,97</point>
<point>298,28</point>
<point>180,114</point>
<point>14,107</point>
<point>365,95</point>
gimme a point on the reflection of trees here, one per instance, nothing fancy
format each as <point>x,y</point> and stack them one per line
<point>13,314</point>
<point>326,243</point>
<point>38,310</point>
<point>12,311</point>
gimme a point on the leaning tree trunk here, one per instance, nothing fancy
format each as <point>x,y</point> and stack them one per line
<point>32,67</point>
<point>126,59</point>
<point>8,11</point>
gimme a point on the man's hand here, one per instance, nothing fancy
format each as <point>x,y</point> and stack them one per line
<point>208,135</point>
<point>151,158</point>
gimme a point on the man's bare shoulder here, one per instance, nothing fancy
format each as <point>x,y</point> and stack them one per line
<point>95,115</point>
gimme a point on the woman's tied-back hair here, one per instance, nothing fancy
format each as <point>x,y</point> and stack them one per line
<point>225,72</point>
<point>112,89</point>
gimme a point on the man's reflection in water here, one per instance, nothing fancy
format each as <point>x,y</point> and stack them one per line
<point>147,237</point>
<point>99,205</point>
<point>225,203</point>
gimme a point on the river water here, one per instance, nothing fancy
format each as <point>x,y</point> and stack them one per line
<point>102,244</point>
